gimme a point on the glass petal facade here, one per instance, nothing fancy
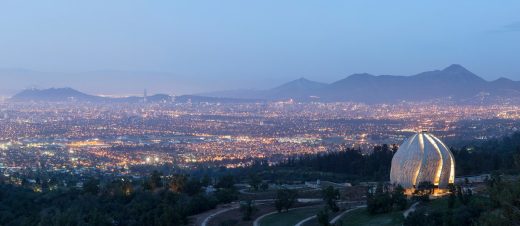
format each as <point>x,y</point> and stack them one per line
<point>423,157</point>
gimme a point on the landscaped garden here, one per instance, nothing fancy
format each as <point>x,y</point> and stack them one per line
<point>291,217</point>
<point>361,217</point>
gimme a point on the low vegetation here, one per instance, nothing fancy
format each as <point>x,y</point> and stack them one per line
<point>120,202</point>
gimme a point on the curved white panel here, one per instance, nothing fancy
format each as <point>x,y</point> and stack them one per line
<point>422,157</point>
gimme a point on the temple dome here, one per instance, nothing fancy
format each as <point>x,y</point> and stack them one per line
<point>423,158</point>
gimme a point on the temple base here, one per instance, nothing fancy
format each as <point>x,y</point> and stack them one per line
<point>437,192</point>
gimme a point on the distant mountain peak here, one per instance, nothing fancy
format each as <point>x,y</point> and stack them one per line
<point>53,94</point>
<point>502,79</point>
<point>301,80</point>
<point>454,72</point>
<point>299,88</point>
<point>301,83</point>
<point>361,75</point>
<point>456,68</point>
<point>52,90</point>
<point>70,94</point>
<point>356,77</point>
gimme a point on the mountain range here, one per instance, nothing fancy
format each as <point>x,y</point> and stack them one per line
<point>454,83</point>
<point>72,95</point>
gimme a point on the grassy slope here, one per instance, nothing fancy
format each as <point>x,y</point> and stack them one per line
<point>289,218</point>
<point>362,217</point>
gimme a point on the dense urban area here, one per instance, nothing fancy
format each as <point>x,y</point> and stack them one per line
<point>116,137</point>
<point>232,163</point>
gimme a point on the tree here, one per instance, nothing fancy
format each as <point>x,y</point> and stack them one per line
<point>247,208</point>
<point>399,198</point>
<point>451,200</point>
<point>225,195</point>
<point>91,186</point>
<point>464,195</point>
<point>226,182</point>
<point>177,183</point>
<point>504,196</point>
<point>323,217</point>
<point>331,196</point>
<point>495,186</point>
<point>285,199</point>
<point>516,157</point>
<point>435,218</point>
<point>380,201</point>
<point>254,181</point>
<point>127,187</point>
<point>114,188</point>
<point>154,181</point>
<point>264,186</point>
<point>193,187</point>
<point>206,180</point>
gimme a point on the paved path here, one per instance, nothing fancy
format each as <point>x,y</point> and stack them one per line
<point>411,209</point>
<point>257,221</point>
<point>334,220</point>
<point>204,218</point>
<point>245,192</point>
<point>208,218</point>
<point>305,220</point>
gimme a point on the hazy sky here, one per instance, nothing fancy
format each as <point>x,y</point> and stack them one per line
<point>194,46</point>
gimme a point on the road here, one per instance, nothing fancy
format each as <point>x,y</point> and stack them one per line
<point>204,218</point>
<point>410,210</point>
<point>257,221</point>
<point>334,220</point>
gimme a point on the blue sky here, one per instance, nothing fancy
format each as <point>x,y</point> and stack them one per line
<point>212,45</point>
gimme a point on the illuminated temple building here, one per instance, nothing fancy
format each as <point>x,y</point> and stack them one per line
<point>423,158</point>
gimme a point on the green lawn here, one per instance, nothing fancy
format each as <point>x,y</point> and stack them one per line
<point>362,217</point>
<point>289,218</point>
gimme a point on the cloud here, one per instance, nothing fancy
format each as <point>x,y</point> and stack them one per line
<point>512,27</point>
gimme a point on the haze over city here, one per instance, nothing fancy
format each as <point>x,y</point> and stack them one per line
<point>262,113</point>
<point>123,47</point>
